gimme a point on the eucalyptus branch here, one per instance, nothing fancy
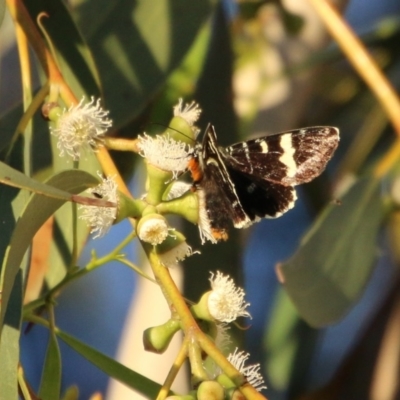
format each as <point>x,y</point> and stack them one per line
<point>173,372</point>
<point>75,274</point>
<point>191,329</point>
<point>22,384</point>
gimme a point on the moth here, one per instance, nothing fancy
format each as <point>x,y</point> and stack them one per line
<point>256,179</point>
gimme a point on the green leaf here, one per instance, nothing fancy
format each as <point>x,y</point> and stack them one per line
<point>50,384</point>
<point>73,55</point>
<point>137,44</point>
<point>112,368</point>
<point>36,212</point>
<point>331,268</point>
<point>282,342</point>
<point>9,343</point>
<point>11,177</point>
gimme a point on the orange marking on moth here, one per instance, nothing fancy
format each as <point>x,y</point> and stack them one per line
<point>195,170</point>
<point>219,234</point>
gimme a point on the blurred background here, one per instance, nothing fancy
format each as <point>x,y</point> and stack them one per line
<point>255,68</point>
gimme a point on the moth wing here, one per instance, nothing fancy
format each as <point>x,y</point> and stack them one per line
<point>288,158</point>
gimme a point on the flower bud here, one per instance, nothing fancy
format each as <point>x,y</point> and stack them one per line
<point>157,182</point>
<point>179,129</point>
<point>128,207</point>
<point>185,115</point>
<point>210,390</point>
<point>186,206</point>
<point>51,111</point>
<point>201,310</point>
<point>235,394</point>
<point>157,338</point>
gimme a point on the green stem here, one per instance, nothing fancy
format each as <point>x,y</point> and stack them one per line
<point>72,276</point>
<point>199,374</point>
<point>137,269</point>
<point>173,372</point>
<point>22,384</point>
<point>192,331</point>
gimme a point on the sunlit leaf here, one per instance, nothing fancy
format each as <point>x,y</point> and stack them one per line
<point>73,55</point>
<point>36,212</point>
<point>9,343</point>
<point>14,178</point>
<point>136,45</point>
<point>331,268</point>
<point>113,368</point>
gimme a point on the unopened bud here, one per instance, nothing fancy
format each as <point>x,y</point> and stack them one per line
<point>157,338</point>
<point>210,390</point>
<point>47,110</point>
<point>201,310</point>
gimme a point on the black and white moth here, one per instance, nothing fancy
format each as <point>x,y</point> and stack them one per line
<point>255,179</point>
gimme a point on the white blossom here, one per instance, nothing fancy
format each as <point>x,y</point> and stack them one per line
<point>226,301</point>
<point>178,253</point>
<point>153,230</point>
<point>81,128</point>
<point>251,372</point>
<point>190,112</point>
<point>165,153</point>
<point>100,219</point>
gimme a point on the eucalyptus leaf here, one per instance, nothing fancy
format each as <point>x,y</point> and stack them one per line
<point>9,343</point>
<point>36,212</point>
<point>71,51</point>
<point>112,368</point>
<point>137,44</point>
<point>50,385</point>
<point>330,269</point>
<point>12,177</point>
<point>282,341</point>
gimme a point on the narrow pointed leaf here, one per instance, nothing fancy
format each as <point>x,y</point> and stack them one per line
<point>112,368</point>
<point>331,268</point>
<point>36,212</point>
<point>9,343</point>
<point>50,385</point>
<point>12,177</point>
